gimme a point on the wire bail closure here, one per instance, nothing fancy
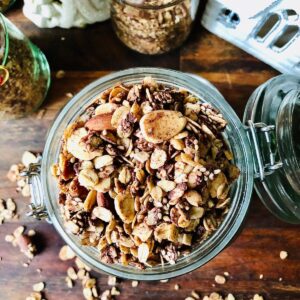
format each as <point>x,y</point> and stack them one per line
<point>264,164</point>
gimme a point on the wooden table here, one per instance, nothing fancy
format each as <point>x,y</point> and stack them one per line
<point>87,54</point>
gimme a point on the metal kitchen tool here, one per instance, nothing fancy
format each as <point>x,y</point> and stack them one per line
<point>267,29</point>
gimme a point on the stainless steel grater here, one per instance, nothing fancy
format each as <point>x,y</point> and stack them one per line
<point>267,29</point>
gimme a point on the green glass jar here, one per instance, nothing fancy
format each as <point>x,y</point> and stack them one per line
<point>24,73</point>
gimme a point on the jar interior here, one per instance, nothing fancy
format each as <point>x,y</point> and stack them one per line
<point>277,103</point>
<point>240,192</point>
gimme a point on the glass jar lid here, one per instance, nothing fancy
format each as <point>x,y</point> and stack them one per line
<point>275,107</point>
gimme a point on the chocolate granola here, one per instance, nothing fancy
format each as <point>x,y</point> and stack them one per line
<point>144,174</point>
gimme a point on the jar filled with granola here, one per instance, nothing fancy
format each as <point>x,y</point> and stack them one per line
<point>153,26</point>
<point>5,4</point>
<point>24,73</point>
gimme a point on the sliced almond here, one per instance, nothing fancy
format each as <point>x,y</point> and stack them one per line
<point>193,197</point>
<point>124,205</point>
<point>105,108</point>
<point>118,115</point>
<point>103,161</point>
<point>166,185</point>
<point>161,125</point>
<point>90,200</point>
<point>185,239</point>
<point>103,214</point>
<point>100,122</point>
<point>143,252</point>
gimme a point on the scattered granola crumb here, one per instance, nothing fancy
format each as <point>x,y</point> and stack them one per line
<point>261,276</point>
<point>66,253</point>
<point>226,274</point>
<point>195,295</point>
<point>230,297</point>
<point>69,282</point>
<point>39,270</point>
<point>60,74</point>
<point>219,279</point>
<point>38,287</point>
<point>69,95</point>
<point>114,291</point>
<point>283,255</point>
<point>258,297</point>
<point>164,280</point>
<point>7,210</point>
<point>23,241</point>
<point>31,232</point>
<point>280,279</point>
<point>34,296</point>
<point>176,287</point>
<point>112,280</point>
<point>134,283</point>
<point>189,298</point>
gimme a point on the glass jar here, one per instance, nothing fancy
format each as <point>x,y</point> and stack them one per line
<point>29,75</point>
<point>153,27</point>
<point>5,4</point>
<point>244,142</point>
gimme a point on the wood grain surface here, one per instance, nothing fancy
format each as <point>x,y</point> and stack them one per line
<point>85,55</point>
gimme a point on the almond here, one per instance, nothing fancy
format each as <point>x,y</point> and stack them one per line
<point>143,252</point>
<point>100,122</point>
<point>105,108</point>
<point>161,125</point>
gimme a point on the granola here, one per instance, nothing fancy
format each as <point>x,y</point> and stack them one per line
<point>152,27</point>
<point>154,183</point>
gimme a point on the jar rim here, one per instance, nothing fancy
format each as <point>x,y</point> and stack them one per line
<point>6,39</point>
<point>241,192</point>
<point>141,5</point>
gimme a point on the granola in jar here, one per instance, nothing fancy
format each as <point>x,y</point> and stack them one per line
<point>29,76</point>
<point>144,174</point>
<point>155,26</point>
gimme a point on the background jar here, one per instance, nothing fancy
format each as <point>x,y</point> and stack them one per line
<point>5,4</point>
<point>153,27</point>
<point>28,69</point>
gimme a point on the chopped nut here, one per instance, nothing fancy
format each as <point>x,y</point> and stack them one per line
<point>219,279</point>
<point>66,253</point>
<point>134,283</point>
<point>38,287</point>
<point>283,255</point>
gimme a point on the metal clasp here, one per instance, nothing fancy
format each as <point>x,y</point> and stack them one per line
<point>265,159</point>
<point>37,208</point>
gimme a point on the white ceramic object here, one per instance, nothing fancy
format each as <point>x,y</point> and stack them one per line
<point>267,29</point>
<point>66,13</point>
